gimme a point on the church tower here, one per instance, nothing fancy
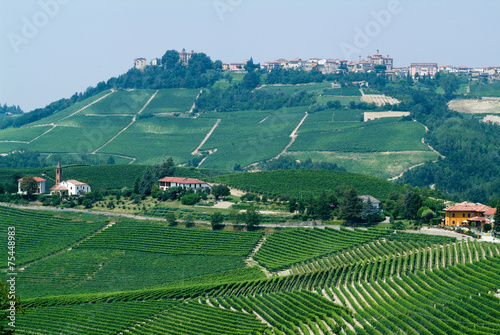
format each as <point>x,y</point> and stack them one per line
<point>58,173</point>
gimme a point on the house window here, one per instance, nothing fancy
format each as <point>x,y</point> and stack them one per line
<point>453,215</point>
<point>463,215</point>
<point>453,222</point>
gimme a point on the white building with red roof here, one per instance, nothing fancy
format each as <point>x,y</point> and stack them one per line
<point>68,187</point>
<point>40,188</point>
<point>490,214</point>
<point>167,182</point>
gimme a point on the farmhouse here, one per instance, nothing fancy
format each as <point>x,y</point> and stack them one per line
<point>40,189</point>
<point>465,213</point>
<point>140,63</point>
<point>167,182</point>
<point>68,187</point>
<point>374,201</point>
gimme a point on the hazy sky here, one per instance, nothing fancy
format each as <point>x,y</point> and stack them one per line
<point>50,49</point>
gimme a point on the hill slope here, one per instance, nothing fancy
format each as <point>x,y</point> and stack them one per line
<point>144,126</point>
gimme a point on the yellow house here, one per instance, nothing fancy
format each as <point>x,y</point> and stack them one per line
<point>464,213</point>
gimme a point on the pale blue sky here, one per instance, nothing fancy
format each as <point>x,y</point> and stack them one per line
<point>79,43</point>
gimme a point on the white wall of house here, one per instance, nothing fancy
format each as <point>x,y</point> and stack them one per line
<point>76,189</point>
<point>193,186</point>
<point>41,188</point>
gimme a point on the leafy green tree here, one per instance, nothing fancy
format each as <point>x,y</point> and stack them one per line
<point>398,225</point>
<point>234,217</point>
<point>154,191</point>
<point>486,227</point>
<point>136,185</point>
<point>335,104</point>
<point>190,199</point>
<point>369,213</point>
<point>189,220</point>
<point>170,59</point>
<point>323,206</point>
<point>250,66</point>
<point>292,205</point>
<point>216,219</point>
<point>87,203</point>
<point>237,167</point>
<point>220,191</point>
<point>449,83</point>
<point>351,206</point>
<point>165,168</point>
<point>252,218</point>
<point>412,203</point>
<point>251,80</point>
<point>29,185</point>
<point>427,215</point>
<point>146,183</point>
<point>171,219</point>
<point>496,219</point>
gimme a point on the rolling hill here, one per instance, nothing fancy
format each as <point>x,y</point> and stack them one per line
<point>143,126</point>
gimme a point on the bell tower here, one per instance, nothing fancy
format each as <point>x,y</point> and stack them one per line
<point>58,173</point>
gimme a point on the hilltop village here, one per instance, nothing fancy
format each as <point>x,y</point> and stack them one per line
<point>372,63</point>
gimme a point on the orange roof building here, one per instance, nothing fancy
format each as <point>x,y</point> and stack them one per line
<point>463,213</point>
<point>40,186</point>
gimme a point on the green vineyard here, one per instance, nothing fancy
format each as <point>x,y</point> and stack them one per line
<point>292,246</point>
<point>145,278</point>
<point>155,237</point>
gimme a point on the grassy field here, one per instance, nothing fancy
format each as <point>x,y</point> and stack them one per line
<point>372,137</point>
<point>293,89</point>
<point>340,115</point>
<point>485,90</point>
<point>172,100</point>
<point>121,102</point>
<point>70,110</point>
<point>6,147</point>
<point>343,91</point>
<point>379,164</point>
<point>22,134</point>
<point>344,100</point>
<point>80,134</point>
<point>261,135</point>
<point>153,139</point>
<point>243,137</point>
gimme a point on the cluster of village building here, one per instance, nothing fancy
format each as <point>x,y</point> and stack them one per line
<point>462,214</point>
<point>62,187</point>
<point>75,187</point>
<point>376,62</point>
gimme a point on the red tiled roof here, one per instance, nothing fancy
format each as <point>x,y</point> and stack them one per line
<point>468,207</point>
<point>58,187</point>
<point>491,212</point>
<point>477,218</point>
<point>76,182</point>
<point>37,179</point>
<point>181,180</point>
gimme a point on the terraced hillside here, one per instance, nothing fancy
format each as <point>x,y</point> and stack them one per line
<point>382,284</point>
<point>144,126</point>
